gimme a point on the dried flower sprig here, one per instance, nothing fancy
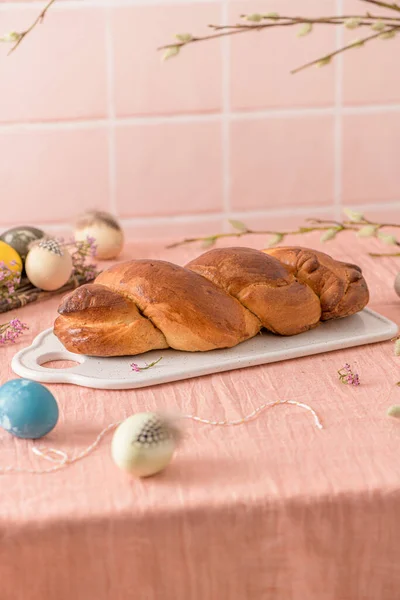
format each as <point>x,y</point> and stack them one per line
<point>138,369</point>
<point>347,376</point>
<point>83,251</point>
<point>83,270</point>
<point>80,252</point>
<point>382,26</point>
<point>355,221</point>
<point>10,331</point>
<point>16,37</point>
<point>9,281</point>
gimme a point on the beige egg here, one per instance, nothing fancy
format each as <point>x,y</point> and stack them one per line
<point>143,444</point>
<point>48,265</point>
<point>106,231</point>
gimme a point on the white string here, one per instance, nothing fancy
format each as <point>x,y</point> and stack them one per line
<point>255,412</point>
<point>61,458</point>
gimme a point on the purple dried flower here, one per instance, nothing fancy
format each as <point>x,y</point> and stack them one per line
<point>80,252</point>
<point>9,281</point>
<point>92,245</point>
<point>347,376</point>
<point>10,331</point>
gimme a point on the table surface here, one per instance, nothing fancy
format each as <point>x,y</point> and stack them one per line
<point>275,508</point>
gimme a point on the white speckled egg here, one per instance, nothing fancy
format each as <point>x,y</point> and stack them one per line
<point>143,444</point>
<point>48,265</point>
<point>106,231</point>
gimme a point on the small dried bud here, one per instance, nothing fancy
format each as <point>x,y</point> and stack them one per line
<point>387,238</point>
<point>254,18</point>
<point>12,36</point>
<point>305,29</point>
<point>394,411</point>
<point>357,44</point>
<point>329,234</point>
<point>378,26</point>
<point>208,242</point>
<point>397,348</point>
<point>238,225</point>
<point>367,231</point>
<point>184,37</point>
<point>275,239</point>
<point>353,215</point>
<point>388,35</point>
<point>352,23</point>
<point>170,52</point>
<point>324,61</point>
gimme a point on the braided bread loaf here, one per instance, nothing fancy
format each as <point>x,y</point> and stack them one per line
<point>218,300</point>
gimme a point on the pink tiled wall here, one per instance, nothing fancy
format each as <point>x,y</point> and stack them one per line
<point>91,117</point>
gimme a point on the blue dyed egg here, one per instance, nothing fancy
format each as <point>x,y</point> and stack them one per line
<point>27,409</point>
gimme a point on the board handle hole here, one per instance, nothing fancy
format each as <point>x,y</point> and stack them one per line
<point>59,360</point>
<point>60,364</point>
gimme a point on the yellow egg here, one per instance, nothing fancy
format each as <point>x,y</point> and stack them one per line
<point>10,258</point>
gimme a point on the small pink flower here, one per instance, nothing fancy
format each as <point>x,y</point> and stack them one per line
<point>138,369</point>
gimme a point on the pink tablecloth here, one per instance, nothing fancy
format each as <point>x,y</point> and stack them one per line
<point>275,509</point>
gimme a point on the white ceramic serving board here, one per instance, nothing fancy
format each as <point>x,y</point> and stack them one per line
<point>365,327</point>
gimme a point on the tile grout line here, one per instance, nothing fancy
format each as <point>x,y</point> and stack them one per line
<point>204,217</point>
<point>112,177</point>
<point>338,120</point>
<point>225,125</point>
<point>286,113</point>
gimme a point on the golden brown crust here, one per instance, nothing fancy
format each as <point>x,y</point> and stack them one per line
<point>264,286</point>
<point>218,300</point>
<point>96,321</point>
<point>340,286</point>
<point>192,313</point>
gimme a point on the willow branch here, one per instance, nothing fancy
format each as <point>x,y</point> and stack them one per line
<point>391,254</point>
<point>289,21</point>
<point>18,37</point>
<point>328,57</point>
<point>390,6</point>
<point>383,27</point>
<point>225,30</point>
<point>329,228</point>
<point>238,234</point>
